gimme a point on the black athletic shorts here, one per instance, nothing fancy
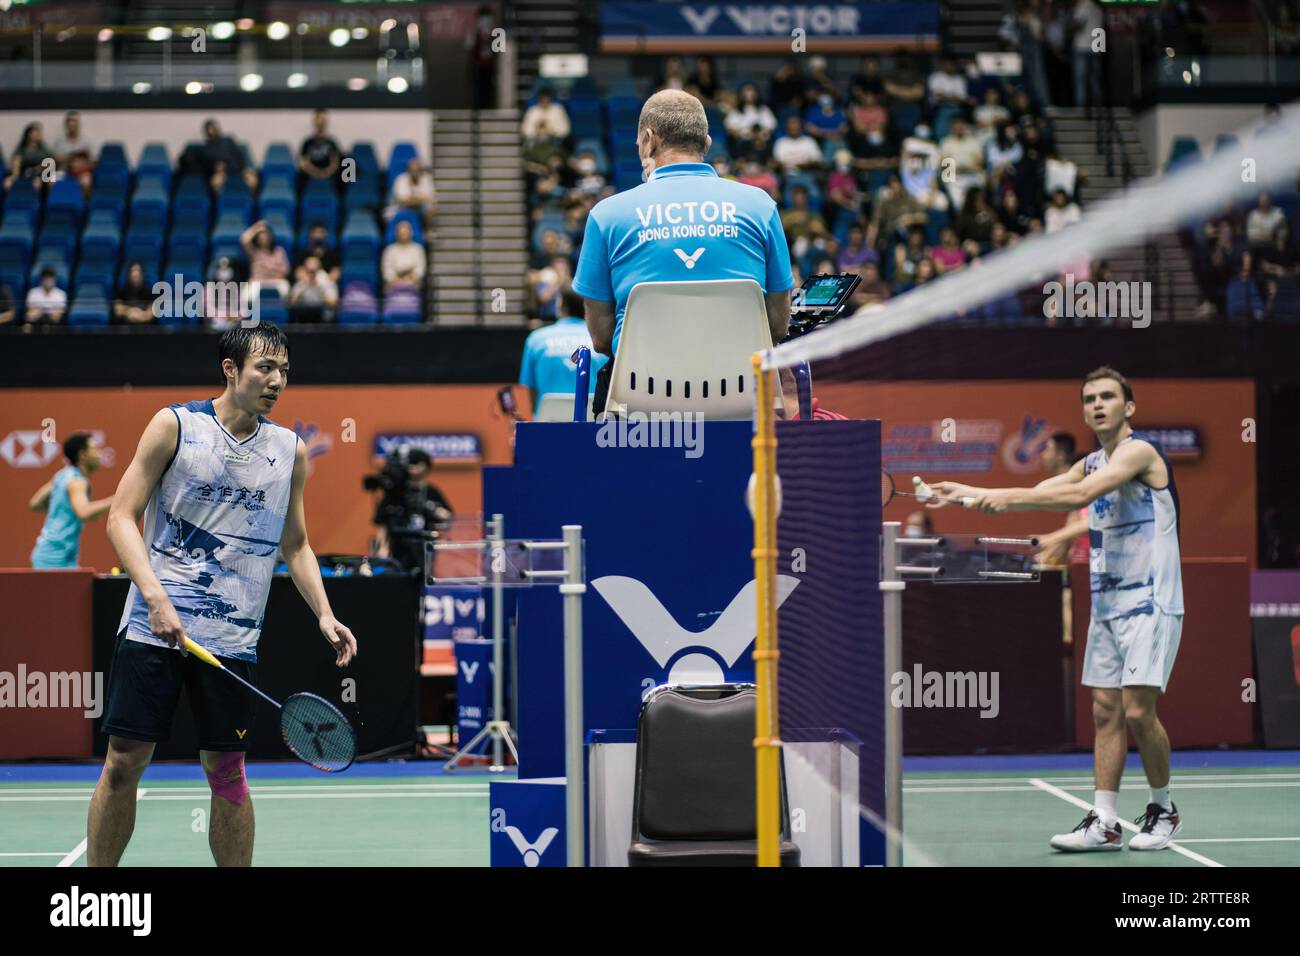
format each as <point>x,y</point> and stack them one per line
<point>144,688</point>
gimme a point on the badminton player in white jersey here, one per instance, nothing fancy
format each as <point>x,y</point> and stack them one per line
<point>220,488</point>
<point>1137,602</point>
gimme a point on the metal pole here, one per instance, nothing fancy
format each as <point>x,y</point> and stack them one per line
<point>892,585</point>
<point>573,589</point>
<point>498,647</point>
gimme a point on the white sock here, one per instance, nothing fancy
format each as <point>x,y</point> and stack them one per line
<point>1106,803</point>
<point>1161,797</point>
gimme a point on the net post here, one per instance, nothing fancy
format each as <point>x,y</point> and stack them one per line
<point>766,743</point>
<point>891,586</point>
<point>497,532</point>
<point>573,589</point>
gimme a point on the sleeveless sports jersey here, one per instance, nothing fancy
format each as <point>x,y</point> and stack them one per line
<point>60,537</point>
<point>212,527</point>
<point>1133,537</point>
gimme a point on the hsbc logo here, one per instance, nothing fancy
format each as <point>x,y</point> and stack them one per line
<point>688,656</point>
<point>24,448</point>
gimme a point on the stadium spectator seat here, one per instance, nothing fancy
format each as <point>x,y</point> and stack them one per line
<point>402,307</point>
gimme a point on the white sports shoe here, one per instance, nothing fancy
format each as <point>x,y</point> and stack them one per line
<point>1090,835</point>
<point>1158,827</point>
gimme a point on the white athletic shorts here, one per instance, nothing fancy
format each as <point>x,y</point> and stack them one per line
<point>1132,651</point>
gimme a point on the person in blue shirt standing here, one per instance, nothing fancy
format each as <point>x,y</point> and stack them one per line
<point>684,223</point>
<point>65,499</point>
<point>548,367</point>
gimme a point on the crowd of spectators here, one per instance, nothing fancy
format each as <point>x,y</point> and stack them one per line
<point>897,173</point>
<point>1245,261</point>
<point>306,283</point>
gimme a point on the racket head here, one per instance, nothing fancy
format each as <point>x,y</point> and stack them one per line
<point>317,733</point>
<point>886,487</point>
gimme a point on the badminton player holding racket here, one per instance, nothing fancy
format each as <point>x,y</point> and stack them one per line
<point>220,488</point>
<point>1137,602</point>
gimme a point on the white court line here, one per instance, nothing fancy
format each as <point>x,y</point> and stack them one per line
<point>1085,805</point>
<point>74,854</point>
<point>1137,777</point>
<point>1226,785</point>
<point>327,795</point>
<point>262,789</point>
<point>1243,840</point>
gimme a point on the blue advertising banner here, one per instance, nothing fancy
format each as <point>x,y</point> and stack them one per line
<point>473,688</point>
<point>753,27</point>
<point>453,613</point>
<point>527,822</point>
<point>441,447</point>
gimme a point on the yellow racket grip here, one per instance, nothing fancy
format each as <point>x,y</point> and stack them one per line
<point>200,652</point>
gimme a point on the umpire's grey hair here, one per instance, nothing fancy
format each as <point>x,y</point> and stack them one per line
<point>678,119</point>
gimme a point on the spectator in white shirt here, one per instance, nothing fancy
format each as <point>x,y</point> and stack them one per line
<point>750,112</point>
<point>967,155</point>
<point>74,153</point>
<point>1262,222</point>
<point>796,150</point>
<point>947,85</point>
<point>403,262</point>
<point>1060,174</point>
<point>413,189</point>
<point>1061,213</point>
<point>46,303</point>
<point>545,119</point>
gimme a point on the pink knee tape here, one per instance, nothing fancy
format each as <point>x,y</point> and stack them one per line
<point>228,779</point>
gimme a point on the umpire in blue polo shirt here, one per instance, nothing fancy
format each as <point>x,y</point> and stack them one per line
<point>637,236</point>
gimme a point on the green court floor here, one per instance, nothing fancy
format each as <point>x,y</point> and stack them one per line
<point>1239,816</point>
<point>1243,816</point>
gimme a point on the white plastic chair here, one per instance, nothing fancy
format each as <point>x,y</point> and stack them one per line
<point>687,347</point>
<point>557,407</point>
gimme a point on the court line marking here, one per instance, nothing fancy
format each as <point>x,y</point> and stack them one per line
<point>264,788</point>
<point>920,778</point>
<point>73,855</point>
<point>1008,788</point>
<point>1294,839</point>
<point>191,797</point>
<point>1085,805</point>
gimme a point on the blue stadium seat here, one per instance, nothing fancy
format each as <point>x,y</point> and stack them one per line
<point>96,271</point>
<point>112,154</point>
<point>271,306</point>
<point>402,307</point>
<point>279,159</point>
<point>398,158</point>
<point>154,161</point>
<point>16,234</point>
<point>319,201</point>
<point>1184,151</point>
<point>65,202</point>
<point>235,196</point>
<point>357,305</point>
<point>90,306</point>
<point>229,227</point>
<point>23,197</point>
<point>188,242</point>
<point>102,236</point>
<point>63,238</point>
<point>277,196</point>
<point>360,236</point>
<point>360,271</point>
